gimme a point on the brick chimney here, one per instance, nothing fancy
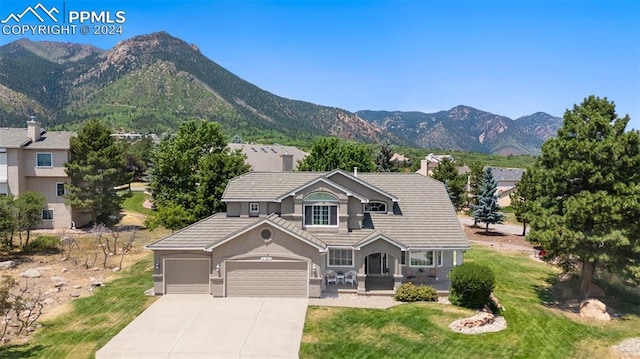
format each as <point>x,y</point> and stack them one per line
<point>34,129</point>
<point>287,162</point>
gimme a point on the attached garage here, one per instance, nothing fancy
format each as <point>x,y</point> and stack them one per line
<point>267,279</point>
<point>186,276</point>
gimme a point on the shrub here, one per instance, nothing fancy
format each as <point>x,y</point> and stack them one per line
<point>471,285</point>
<point>44,244</point>
<point>408,292</point>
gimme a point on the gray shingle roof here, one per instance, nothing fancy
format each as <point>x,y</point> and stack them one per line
<point>266,158</point>
<point>51,140</point>
<point>424,219</point>
<point>507,174</point>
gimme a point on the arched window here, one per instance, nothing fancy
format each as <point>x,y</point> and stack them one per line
<point>375,207</point>
<point>320,209</point>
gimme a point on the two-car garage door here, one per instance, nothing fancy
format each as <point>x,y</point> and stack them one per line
<point>266,279</point>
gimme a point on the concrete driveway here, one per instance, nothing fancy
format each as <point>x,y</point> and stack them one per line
<point>200,326</point>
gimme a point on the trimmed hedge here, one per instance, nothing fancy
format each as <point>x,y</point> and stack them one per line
<point>471,285</point>
<point>408,292</point>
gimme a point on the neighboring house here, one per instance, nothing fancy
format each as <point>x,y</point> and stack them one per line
<point>430,162</point>
<point>506,179</point>
<point>283,232</point>
<point>270,158</point>
<point>32,159</point>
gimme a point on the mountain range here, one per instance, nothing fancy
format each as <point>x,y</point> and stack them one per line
<point>151,83</point>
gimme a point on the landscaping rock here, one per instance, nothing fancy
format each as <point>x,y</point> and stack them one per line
<point>594,309</point>
<point>7,264</point>
<point>64,270</point>
<point>74,295</point>
<point>95,282</point>
<point>77,286</point>
<point>31,273</point>
<point>59,281</point>
<point>42,269</point>
<point>116,269</point>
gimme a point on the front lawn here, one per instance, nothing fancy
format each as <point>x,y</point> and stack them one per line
<point>421,330</point>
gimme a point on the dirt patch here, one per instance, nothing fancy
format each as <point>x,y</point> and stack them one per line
<point>497,240</point>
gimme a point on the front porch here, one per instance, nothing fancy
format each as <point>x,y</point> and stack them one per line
<point>382,285</point>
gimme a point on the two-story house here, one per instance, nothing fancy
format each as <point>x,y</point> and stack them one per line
<point>32,159</point>
<point>283,232</point>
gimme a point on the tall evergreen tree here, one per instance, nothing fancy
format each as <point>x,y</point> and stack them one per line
<point>329,153</point>
<point>447,173</point>
<point>383,158</point>
<point>190,172</point>
<point>522,197</point>
<point>587,211</point>
<point>476,170</point>
<point>487,209</point>
<point>96,168</point>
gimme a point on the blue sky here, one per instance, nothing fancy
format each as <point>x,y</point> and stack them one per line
<point>511,58</point>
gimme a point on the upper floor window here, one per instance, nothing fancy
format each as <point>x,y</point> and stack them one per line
<point>254,207</point>
<point>60,191</point>
<point>44,159</point>
<point>320,209</point>
<point>375,207</point>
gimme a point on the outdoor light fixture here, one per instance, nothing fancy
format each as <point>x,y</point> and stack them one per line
<point>157,266</point>
<point>218,267</point>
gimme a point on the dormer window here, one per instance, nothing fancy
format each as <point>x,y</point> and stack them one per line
<point>375,207</point>
<point>320,209</point>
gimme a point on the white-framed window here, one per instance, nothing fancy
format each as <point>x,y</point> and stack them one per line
<point>254,207</point>
<point>44,159</point>
<point>439,258</point>
<point>421,259</point>
<point>375,207</point>
<point>60,190</point>
<point>47,215</point>
<point>320,209</point>
<point>340,257</point>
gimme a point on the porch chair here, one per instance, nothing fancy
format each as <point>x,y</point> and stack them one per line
<point>331,277</point>
<point>432,276</point>
<point>351,277</point>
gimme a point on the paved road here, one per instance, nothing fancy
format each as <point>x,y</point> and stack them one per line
<point>200,326</point>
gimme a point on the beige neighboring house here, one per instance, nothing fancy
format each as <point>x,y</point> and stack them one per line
<point>506,179</point>
<point>32,159</point>
<point>270,158</point>
<point>430,162</point>
<point>297,234</point>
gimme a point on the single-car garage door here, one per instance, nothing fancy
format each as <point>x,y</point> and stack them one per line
<point>186,276</point>
<point>266,279</point>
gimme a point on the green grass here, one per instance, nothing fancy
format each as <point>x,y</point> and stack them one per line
<point>92,321</point>
<point>421,330</point>
<point>134,204</point>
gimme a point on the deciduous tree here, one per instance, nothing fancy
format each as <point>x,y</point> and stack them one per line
<point>190,172</point>
<point>522,197</point>
<point>587,210</point>
<point>29,206</point>
<point>96,168</point>
<point>331,153</point>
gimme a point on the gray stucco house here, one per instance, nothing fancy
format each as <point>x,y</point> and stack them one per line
<point>283,232</point>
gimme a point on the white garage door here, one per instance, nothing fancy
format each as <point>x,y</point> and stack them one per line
<point>266,279</point>
<point>186,276</point>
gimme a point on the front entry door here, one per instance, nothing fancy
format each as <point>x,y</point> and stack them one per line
<point>375,263</point>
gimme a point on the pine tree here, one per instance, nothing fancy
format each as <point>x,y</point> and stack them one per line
<point>475,180</point>
<point>447,173</point>
<point>96,168</point>
<point>383,158</point>
<point>522,197</point>
<point>587,211</point>
<point>487,209</point>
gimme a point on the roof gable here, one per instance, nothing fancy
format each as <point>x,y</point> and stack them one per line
<point>382,193</point>
<point>327,182</point>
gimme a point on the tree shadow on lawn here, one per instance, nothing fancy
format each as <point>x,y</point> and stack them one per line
<point>21,351</point>
<point>565,294</point>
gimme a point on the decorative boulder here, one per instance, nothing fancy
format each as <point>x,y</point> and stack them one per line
<point>31,273</point>
<point>594,309</point>
<point>7,264</point>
